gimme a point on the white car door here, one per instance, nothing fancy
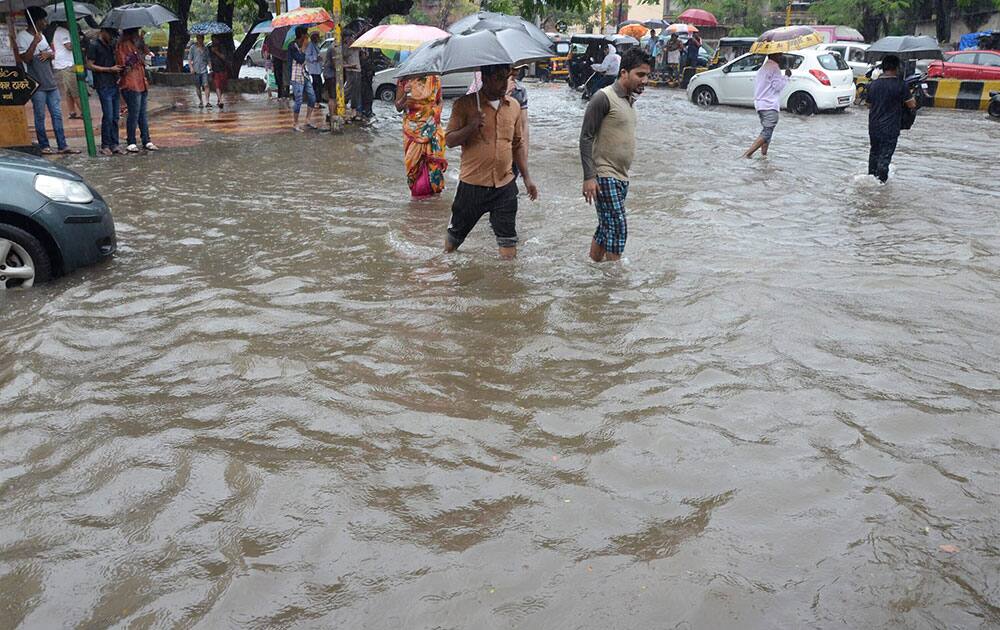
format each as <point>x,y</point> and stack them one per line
<point>736,82</point>
<point>457,84</point>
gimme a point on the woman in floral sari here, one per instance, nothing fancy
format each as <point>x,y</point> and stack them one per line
<point>419,99</point>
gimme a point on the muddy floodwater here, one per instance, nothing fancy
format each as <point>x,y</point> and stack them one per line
<point>281,406</point>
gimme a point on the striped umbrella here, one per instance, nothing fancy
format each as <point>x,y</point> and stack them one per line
<point>303,16</point>
<point>786,39</point>
<point>398,36</point>
<point>680,29</point>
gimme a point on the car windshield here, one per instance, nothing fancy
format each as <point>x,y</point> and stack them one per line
<point>832,62</point>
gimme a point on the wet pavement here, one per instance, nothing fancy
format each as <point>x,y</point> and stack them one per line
<point>282,406</point>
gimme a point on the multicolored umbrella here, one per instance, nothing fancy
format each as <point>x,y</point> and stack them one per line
<point>303,16</point>
<point>210,28</point>
<point>322,29</point>
<point>262,27</point>
<point>786,39</point>
<point>698,17</point>
<point>680,29</point>
<point>398,36</point>
<point>637,31</point>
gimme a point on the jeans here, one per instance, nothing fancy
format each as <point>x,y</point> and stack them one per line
<point>40,101</point>
<point>880,155</point>
<point>109,116</point>
<point>136,103</point>
<point>300,89</point>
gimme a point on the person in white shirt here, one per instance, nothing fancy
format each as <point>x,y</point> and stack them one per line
<point>35,53</point>
<point>607,70</point>
<point>63,64</point>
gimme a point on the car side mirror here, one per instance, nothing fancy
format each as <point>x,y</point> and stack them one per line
<point>726,69</point>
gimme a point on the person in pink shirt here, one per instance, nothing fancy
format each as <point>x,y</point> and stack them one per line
<point>767,87</point>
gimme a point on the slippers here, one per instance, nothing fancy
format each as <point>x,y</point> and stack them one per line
<point>69,151</point>
<point>48,151</point>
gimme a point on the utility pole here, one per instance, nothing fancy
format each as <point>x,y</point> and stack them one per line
<point>337,120</point>
<point>81,76</point>
<point>603,11</point>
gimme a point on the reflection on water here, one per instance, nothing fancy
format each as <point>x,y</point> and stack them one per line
<point>281,406</point>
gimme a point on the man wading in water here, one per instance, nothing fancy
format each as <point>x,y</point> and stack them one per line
<point>607,146</point>
<point>487,125</point>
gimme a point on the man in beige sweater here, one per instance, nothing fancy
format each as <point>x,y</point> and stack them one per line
<point>607,146</point>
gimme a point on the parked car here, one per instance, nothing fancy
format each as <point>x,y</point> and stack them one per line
<point>820,81</point>
<point>456,84</point>
<point>51,221</point>
<point>853,53</point>
<point>969,65</point>
<point>730,48</point>
<point>255,57</point>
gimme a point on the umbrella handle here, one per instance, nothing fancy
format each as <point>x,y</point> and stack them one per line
<point>479,107</point>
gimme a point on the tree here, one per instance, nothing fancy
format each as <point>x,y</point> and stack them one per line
<point>178,37</point>
<point>872,17</point>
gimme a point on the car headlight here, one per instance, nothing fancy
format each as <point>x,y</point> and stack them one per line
<point>62,189</point>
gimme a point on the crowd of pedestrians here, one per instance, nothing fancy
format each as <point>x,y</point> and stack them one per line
<point>118,64</point>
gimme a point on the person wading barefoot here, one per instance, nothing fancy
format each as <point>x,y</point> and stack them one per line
<point>487,125</point>
<point>767,87</point>
<point>607,147</point>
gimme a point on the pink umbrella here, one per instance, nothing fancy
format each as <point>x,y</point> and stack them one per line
<point>698,17</point>
<point>398,36</point>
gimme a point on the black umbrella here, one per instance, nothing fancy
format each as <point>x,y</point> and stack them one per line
<point>905,47</point>
<point>137,15</point>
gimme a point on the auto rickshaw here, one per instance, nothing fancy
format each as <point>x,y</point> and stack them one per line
<point>587,50</point>
<point>730,48</point>
<point>559,65</point>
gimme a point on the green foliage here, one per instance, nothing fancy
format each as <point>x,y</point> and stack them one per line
<point>748,16</point>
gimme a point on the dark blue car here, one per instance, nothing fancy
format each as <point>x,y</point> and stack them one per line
<point>51,221</point>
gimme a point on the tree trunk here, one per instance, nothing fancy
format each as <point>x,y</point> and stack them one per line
<point>942,10</point>
<point>870,23</point>
<point>240,55</point>
<point>178,38</point>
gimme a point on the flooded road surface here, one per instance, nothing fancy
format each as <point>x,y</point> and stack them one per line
<point>281,406</point>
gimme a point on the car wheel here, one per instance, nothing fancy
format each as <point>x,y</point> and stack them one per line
<point>23,260</point>
<point>387,93</point>
<point>802,104</point>
<point>994,109</point>
<point>704,96</point>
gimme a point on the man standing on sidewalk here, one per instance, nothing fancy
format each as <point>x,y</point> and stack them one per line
<point>134,88</point>
<point>607,147</point>
<point>101,62</point>
<point>487,125</point>
<point>767,87</point>
<point>887,96</point>
<point>35,53</point>
<point>65,74</point>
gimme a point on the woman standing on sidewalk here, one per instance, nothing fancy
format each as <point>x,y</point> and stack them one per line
<point>135,89</point>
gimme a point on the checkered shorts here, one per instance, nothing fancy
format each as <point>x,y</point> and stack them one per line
<point>612,228</point>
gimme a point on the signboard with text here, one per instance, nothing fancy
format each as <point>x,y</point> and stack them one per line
<point>16,87</point>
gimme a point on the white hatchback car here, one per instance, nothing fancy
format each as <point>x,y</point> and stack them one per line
<point>820,81</point>
<point>455,84</point>
<point>853,53</point>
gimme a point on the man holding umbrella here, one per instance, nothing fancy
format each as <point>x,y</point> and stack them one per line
<point>36,54</point>
<point>487,125</point>
<point>767,87</point>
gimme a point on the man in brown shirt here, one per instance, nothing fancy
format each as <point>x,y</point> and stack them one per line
<point>487,125</point>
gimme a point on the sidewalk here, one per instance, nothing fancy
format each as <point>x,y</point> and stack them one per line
<point>162,102</point>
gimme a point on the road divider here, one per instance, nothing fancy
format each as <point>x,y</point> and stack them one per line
<point>959,94</point>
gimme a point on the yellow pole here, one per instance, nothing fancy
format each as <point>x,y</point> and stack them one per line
<point>788,13</point>
<point>602,16</point>
<point>336,122</point>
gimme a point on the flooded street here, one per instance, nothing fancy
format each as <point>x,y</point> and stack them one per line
<point>281,406</point>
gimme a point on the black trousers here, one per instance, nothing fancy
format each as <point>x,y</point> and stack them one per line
<point>279,76</point>
<point>880,155</point>
<point>317,81</point>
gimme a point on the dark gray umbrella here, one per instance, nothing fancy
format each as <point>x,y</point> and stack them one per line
<point>6,6</point>
<point>57,11</point>
<point>661,24</point>
<point>472,50</point>
<point>905,47</point>
<point>487,21</point>
<point>137,15</point>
